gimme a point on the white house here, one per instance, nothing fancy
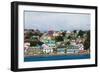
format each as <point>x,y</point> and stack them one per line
<point>47,49</point>
<point>81,46</point>
<point>26,46</point>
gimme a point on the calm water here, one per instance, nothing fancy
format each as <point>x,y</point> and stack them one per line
<point>61,57</point>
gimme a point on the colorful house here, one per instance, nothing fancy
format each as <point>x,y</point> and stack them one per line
<point>51,43</point>
<point>47,49</point>
<point>72,49</point>
<point>34,38</point>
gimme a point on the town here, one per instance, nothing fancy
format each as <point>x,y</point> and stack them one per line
<point>53,42</point>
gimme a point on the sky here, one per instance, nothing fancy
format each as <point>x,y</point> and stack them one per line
<point>45,21</point>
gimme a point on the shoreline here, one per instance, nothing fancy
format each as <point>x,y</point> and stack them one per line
<point>57,55</point>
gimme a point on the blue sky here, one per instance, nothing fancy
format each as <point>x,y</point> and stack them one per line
<point>45,21</point>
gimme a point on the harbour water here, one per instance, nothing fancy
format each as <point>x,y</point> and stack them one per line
<point>57,57</point>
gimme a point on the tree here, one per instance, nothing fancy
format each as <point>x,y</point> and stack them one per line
<point>33,43</point>
<point>40,43</point>
<point>38,33</point>
<point>81,33</point>
<point>75,35</point>
<point>34,40</point>
<point>59,38</point>
<point>87,41</point>
<point>64,33</point>
<point>30,34</point>
<point>67,43</point>
<point>74,31</point>
<point>69,37</point>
